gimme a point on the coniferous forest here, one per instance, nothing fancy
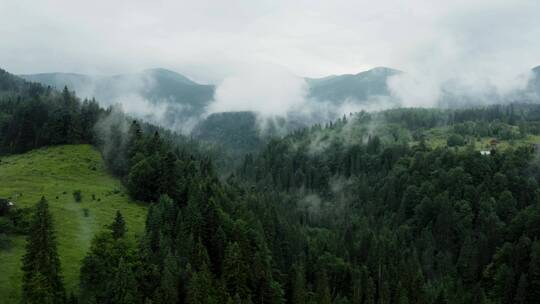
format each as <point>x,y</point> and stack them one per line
<point>374,207</point>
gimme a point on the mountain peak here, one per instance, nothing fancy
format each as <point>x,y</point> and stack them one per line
<point>381,71</point>
<point>172,75</point>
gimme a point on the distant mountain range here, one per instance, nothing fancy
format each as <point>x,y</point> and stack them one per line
<point>185,100</point>
<point>154,85</point>
<point>358,87</point>
<point>161,85</point>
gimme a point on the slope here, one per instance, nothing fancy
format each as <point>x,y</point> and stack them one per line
<point>154,85</point>
<point>359,87</point>
<point>56,172</point>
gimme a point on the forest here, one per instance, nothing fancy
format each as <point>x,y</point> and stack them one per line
<point>397,206</point>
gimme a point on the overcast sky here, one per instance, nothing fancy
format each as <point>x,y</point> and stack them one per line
<point>210,40</point>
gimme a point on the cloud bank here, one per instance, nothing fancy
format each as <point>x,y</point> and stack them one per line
<point>473,49</point>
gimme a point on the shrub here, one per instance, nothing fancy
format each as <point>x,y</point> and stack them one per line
<point>77,195</point>
<point>86,212</point>
<point>455,140</point>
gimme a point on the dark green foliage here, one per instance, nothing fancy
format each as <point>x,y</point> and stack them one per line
<point>362,210</point>
<point>118,227</point>
<point>42,280</point>
<point>32,116</point>
<point>534,274</point>
<point>77,195</point>
<point>383,219</point>
<point>108,271</point>
<point>455,140</point>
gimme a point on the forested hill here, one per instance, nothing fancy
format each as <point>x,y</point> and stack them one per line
<point>358,87</point>
<point>401,206</point>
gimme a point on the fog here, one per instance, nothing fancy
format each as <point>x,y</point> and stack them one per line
<point>266,89</point>
<point>257,53</point>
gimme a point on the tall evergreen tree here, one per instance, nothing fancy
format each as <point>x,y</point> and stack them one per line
<point>323,290</point>
<point>534,274</point>
<point>118,227</point>
<point>42,280</point>
<point>299,285</point>
<point>522,289</point>
<point>123,288</point>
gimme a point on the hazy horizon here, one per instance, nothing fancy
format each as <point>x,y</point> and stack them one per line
<point>257,53</point>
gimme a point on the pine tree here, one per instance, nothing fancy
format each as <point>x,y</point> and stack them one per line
<point>124,286</point>
<point>467,263</point>
<point>384,293</point>
<point>534,274</point>
<point>42,281</point>
<point>235,271</point>
<point>200,289</point>
<point>401,296</point>
<point>323,290</point>
<point>522,289</point>
<point>118,227</point>
<point>504,283</point>
<point>168,289</point>
<point>299,285</point>
<point>370,292</point>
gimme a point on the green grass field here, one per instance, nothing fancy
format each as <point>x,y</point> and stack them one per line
<point>55,172</point>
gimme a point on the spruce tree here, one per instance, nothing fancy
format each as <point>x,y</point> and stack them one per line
<point>521,292</point>
<point>200,288</point>
<point>42,281</point>
<point>118,227</point>
<point>299,285</point>
<point>123,288</point>
<point>370,292</point>
<point>534,273</point>
<point>323,290</point>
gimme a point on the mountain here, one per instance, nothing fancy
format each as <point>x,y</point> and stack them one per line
<point>158,86</point>
<point>358,87</point>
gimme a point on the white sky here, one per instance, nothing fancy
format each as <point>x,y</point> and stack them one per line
<point>210,40</point>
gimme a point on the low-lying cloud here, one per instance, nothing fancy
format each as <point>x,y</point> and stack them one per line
<point>265,89</point>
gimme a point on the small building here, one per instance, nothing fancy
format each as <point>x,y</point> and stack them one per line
<point>485,152</point>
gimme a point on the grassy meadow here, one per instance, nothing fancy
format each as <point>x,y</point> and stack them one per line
<point>56,173</point>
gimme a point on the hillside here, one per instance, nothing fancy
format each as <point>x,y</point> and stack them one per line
<point>56,172</point>
<point>358,87</point>
<point>154,85</point>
